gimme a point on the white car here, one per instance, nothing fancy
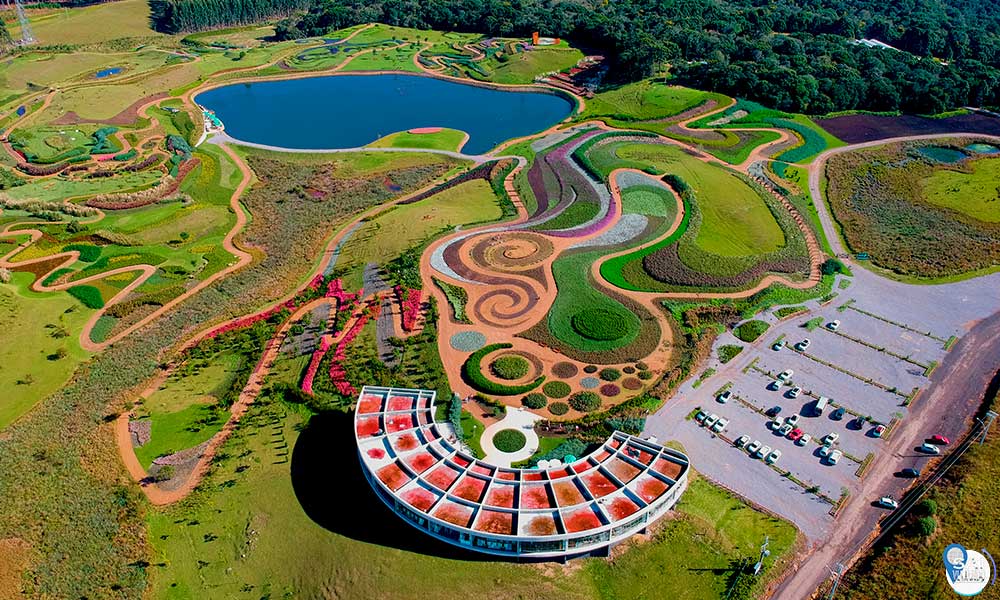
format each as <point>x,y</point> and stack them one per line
<point>805,439</point>
<point>712,418</point>
<point>792,420</point>
<point>741,441</point>
<point>825,451</point>
<point>830,438</point>
<point>887,502</point>
<point>930,449</point>
<point>773,457</point>
<point>833,325</point>
<point>762,452</point>
<point>795,392</point>
<point>753,446</point>
<point>724,397</point>
<point>774,385</point>
<point>785,429</point>
<point>775,424</point>
<point>720,425</point>
<point>786,374</point>
<point>835,457</point>
<point>804,344</point>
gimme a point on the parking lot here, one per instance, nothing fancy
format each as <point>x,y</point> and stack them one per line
<point>873,366</point>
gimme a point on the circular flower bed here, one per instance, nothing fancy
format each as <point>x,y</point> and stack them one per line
<point>556,389</point>
<point>535,400</point>
<point>628,370</point>
<point>610,389</point>
<point>509,440</point>
<point>510,367</point>
<point>559,408</point>
<point>641,366</point>
<point>631,383</point>
<point>585,401</point>
<point>589,383</point>
<point>609,374</point>
<point>645,375</point>
<point>600,324</point>
<point>590,369</point>
<point>467,341</point>
<point>564,370</point>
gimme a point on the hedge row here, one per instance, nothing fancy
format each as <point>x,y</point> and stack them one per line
<point>473,375</point>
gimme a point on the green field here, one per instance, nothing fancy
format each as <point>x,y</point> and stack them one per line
<point>736,221</point>
<point>645,100</point>
<point>41,348</point>
<point>523,67</point>
<point>446,139</point>
<point>387,236</point>
<point>91,24</point>
<point>974,194</point>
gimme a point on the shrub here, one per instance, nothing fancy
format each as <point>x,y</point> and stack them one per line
<point>564,369</point>
<point>571,447</point>
<point>590,369</point>
<point>473,375</point>
<point>88,295</point>
<point>928,507</point>
<point>585,401</point>
<point>509,440</point>
<point>631,383</point>
<point>535,401</point>
<point>599,324</point>
<point>633,425</point>
<point>610,389</point>
<point>629,370</point>
<point>559,408</point>
<point>556,389</point>
<point>729,352</point>
<point>645,375</point>
<point>751,330</point>
<point>926,526</point>
<point>88,252</point>
<point>510,367</point>
<point>641,366</point>
<point>832,266</point>
<point>610,374</point>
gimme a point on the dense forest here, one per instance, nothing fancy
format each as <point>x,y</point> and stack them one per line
<point>173,16</point>
<point>799,55</point>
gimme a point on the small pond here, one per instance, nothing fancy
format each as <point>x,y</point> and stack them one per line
<point>981,148</point>
<point>348,111</point>
<point>108,72</point>
<point>942,154</point>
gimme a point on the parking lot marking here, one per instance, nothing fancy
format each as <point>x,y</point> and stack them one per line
<point>883,349</point>
<point>878,384</point>
<point>851,306</point>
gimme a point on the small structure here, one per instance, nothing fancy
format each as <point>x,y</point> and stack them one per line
<point>554,511</point>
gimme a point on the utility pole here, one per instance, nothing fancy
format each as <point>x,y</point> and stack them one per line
<point>764,553</point>
<point>990,416</point>
<point>836,580</point>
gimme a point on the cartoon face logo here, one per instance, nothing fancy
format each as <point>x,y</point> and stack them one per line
<point>955,557</point>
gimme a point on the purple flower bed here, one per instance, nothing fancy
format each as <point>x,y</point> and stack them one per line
<point>863,128</point>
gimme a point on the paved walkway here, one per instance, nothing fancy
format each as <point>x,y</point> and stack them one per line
<point>521,420</point>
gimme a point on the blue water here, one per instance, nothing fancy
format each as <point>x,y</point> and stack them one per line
<point>983,148</point>
<point>347,111</point>
<point>108,72</point>
<point>942,154</point>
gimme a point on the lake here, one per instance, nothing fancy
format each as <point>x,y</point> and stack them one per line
<point>348,111</point>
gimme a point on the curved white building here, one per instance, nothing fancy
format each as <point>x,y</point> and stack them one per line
<point>588,505</point>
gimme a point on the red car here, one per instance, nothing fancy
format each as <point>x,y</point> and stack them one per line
<point>940,439</point>
<point>795,434</point>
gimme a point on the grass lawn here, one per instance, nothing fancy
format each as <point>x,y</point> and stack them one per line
<point>645,100</point>
<point>523,67</point>
<point>389,234</point>
<point>386,59</point>
<point>101,102</point>
<point>234,534</point>
<point>57,189</point>
<point>975,194</point>
<point>735,221</point>
<point>91,24</point>
<point>446,139</point>
<point>36,327</point>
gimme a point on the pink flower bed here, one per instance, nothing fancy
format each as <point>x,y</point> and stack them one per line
<point>409,304</point>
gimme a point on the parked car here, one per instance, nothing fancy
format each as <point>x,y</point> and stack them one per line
<point>778,345</point>
<point>804,344</point>
<point>820,405</point>
<point>792,420</point>
<point>930,449</point>
<point>940,439</point>
<point>753,446</point>
<point>858,422</point>
<point>879,431</point>
<point>825,451</point>
<point>700,416</point>
<point>805,439</point>
<point>795,434</point>
<point>762,452</point>
<point>774,424</point>
<point>724,397</point>
<point>773,457</point>
<point>838,414</point>
<point>785,429</point>
<point>835,457</point>
<point>887,502</point>
<point>830,438</point>
<point>741,441</point>
<point>720,425</point>
<point>833,325</point>
<point>712,418</point>
<point>911,473</point>
<point>795,392</point>
<point>774,411</point>
<point>774,385</point>
<point>786,374</point>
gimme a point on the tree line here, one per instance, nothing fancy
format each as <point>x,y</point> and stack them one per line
<point>797,55</point>
<point>173,16</point>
